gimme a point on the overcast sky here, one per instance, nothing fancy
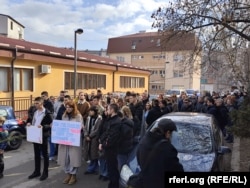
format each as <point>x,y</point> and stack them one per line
<point>53,22</point>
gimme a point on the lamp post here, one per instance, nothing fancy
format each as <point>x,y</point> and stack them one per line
<point>78,31</point>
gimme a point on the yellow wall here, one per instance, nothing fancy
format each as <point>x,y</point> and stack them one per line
<point>54,82</point>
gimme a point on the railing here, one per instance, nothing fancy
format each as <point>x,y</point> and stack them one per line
<point>21,105</point>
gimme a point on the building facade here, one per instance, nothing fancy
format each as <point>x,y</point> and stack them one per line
<point>170,61</point>
<point>10,27</point>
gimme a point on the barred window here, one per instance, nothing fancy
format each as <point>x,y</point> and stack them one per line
<point>132,82</point>
<point>85,81</point>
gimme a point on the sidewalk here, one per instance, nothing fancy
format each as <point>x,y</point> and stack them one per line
<point>240,159</point>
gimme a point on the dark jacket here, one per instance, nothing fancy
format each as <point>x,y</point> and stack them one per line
<point>46,123</point>
<point>60,112</point>
<point>163,160</point>
<point>153,115</point>
<point>126,136</point>
<point>111,136</point>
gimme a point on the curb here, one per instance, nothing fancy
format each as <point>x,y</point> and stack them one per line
<point>235,159</point>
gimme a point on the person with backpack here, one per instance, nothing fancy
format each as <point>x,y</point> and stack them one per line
<point>156,155</point>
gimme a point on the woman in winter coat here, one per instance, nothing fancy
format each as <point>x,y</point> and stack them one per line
<point>91,141</point>
<point>126,142</point>
<point>70,157</point>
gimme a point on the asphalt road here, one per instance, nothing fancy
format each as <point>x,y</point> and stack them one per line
<point>19,164</point>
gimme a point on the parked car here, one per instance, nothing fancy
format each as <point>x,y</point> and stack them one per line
<point>191,92</point>
<point>15,127</point>
<point>198,140</point>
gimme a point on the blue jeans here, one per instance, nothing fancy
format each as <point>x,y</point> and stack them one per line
<point>93,166</point>
<point>103,170</point>
<point>122,159</point>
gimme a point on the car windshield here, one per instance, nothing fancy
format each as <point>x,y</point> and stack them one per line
<point>170,92</point>
<point>192,138</point>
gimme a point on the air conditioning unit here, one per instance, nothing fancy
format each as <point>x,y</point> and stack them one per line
<point>44,69</point>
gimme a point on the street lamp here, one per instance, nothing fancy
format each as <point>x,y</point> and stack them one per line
<point>78,31</point>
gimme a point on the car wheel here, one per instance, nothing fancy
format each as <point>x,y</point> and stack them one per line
<point>15,140</point>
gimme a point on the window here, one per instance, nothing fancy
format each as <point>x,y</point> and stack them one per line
<point>161,56</point>
<point>137,57</point>
<point>11,25</point>
<point>178,57</point>
<point>4,75</point>
<point>158,43</point>
<point>132,82</point>
<point>85,81</point>
<point>178,73</point>
<point>120,58</point>
<point>23,79</point>
<point>133,46</point>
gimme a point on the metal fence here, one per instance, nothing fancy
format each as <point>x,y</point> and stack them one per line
<point>21,105</point>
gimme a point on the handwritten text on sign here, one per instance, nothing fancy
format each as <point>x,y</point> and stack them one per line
<point>66,132</point>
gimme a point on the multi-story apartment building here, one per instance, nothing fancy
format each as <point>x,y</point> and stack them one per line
<point>10,27</point>
<point>171,62</point>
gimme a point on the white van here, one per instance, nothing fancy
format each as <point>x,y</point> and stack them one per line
<point>170,92</point>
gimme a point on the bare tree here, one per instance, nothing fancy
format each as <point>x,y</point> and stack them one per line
<point>223,28</point>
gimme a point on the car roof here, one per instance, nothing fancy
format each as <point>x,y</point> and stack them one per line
<point>192,117</point>
<point>5,107</point>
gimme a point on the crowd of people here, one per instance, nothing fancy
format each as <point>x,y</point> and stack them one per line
<point>112,126</point>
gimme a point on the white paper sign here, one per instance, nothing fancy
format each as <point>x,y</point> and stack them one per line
<point>66,132</point>
<point>34,134</point>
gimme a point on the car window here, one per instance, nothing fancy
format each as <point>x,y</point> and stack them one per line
<point>3,112</point>
<point>192,138</point>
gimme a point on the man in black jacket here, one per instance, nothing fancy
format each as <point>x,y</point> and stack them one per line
<point>42,118</point>
<point>156,155</point>
<point>109,142</point>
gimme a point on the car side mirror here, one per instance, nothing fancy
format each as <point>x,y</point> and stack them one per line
<point>223,150</point>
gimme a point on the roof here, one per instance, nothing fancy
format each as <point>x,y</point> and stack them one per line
<point>151,42</point>
<point>41,49</point>
<point>12,19</point>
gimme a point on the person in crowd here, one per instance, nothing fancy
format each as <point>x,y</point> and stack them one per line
<point>3,143</point>
<point>59,115</point>
<point>42,118</point>
<point>47,103</point>
<point>147,108</point>
<point>136,108</point>
<point>145,99</point>
<point>109,142</point>
<point>156,144</point>
<point>187,105</point>
<point>120,102</point>
<point>91,142</point>
<point>62,108</point>
<point>223,115</point>
<point>96,102</point>
<point>154,113</point>
<point>103,169</point>
<point>59,102</point>
<point>52,99</point>
<point>70,157</point>
<point>211,108</point>
<point>200,107</point>
<point>164,107</point>
<point>83,106</point>
<point>126,142</point>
